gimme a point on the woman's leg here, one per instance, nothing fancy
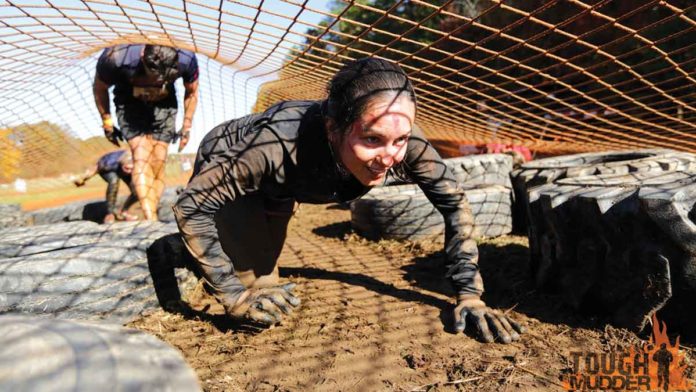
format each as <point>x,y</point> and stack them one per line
<point>143,176</point>
<point>252,232</point>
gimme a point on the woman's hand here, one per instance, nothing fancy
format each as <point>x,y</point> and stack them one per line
<point>491,324</point>
<point>265,305</point>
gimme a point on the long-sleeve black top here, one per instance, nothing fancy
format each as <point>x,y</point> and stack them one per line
<point>284,153</point>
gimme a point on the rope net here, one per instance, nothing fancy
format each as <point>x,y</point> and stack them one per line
<point>555,76</point>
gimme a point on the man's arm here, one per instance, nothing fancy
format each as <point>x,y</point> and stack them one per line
<point>101,99</point>
<point>89,173</point>
<point>190,103</point>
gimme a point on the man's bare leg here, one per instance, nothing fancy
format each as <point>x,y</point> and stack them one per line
<point>159,161</point>
<point>143,176</point>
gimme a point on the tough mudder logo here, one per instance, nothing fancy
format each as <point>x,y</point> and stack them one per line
<point>656,366</point>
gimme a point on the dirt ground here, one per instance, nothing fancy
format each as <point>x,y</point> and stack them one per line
<point>376,316</point>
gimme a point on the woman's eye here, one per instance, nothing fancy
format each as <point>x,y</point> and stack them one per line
<point>372,140</point>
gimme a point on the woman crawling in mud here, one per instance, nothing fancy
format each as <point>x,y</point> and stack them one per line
<point>251,172</point>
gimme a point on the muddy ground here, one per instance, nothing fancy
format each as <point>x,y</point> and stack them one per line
<point>376,316</point>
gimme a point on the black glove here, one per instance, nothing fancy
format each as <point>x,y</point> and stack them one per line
<point>266,305</point>
<point>484,319</point>
<point>114,135</point>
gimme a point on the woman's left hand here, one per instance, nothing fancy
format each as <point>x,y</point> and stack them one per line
<point>491,324</point>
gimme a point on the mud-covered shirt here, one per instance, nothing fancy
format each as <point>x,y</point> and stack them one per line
<point>121,67</point>
<point>284,153</point>
<point>110,162</point>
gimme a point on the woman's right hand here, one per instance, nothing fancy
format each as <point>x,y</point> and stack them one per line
<point>265,305</point>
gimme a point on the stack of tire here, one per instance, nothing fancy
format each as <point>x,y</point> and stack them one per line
<point>54,278</point>
<point>614,232</point>
<point>42,355</point>
<point>82,270</point>
<point>402,212</point>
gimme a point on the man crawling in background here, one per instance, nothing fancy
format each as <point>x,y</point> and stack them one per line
<point>112,167</point>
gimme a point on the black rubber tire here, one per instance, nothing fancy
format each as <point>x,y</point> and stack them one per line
<point>164,210</point>
<point>65,213</point>
<point>93,272</point>
<point>25,241</point>
<point>622,245</point>
<point>472,171</point>
<point>402,212</point>
<point>544,171</point>
<point>61,355</point>
<point>11,215</point>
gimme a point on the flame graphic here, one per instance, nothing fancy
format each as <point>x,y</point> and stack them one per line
<point>677,367</point>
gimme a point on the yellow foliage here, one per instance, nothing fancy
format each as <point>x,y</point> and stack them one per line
<point>10,156</point>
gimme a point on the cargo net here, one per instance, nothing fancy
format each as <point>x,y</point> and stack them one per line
<point>555,76</point>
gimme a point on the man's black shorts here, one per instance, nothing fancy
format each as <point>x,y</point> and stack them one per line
<point>143,119</point>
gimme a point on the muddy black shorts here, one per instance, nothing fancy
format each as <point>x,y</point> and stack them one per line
<point>142,119</point>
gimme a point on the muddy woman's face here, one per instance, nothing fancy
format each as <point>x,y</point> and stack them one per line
<point>377,140</point>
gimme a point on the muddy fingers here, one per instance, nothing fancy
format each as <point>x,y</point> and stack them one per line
<point>256,314</point>
<point>265,305</point>
<point>481,324</point>
<point>489,324</point>
<point>497,329</point>
<point>513,329</point>
<point>280,303</point>
<point>287,294</point>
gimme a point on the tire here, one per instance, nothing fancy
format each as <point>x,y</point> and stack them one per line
<point>25,241</point>
<point>11,215</point>
<point>66,213</point>
<point>81,270</point>
<point>475,171</point>
<point>164,210</point>
<point>61,355</point>
<point>623,245</point>
<point>402,212</point>
<point>544,171</point>
<point>472,171</point>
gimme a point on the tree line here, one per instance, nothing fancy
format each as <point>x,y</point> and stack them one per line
<point>45,149</point>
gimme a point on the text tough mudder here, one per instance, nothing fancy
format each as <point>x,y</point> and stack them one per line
<point>609,371</point>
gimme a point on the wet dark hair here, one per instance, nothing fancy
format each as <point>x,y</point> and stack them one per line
<point>358,83</point>
<point>162,61</point>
